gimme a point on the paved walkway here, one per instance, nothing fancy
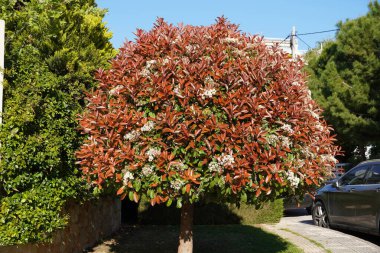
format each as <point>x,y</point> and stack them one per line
<point>312,239</point>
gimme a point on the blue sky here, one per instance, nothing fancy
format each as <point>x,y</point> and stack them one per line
<point>270,18</point>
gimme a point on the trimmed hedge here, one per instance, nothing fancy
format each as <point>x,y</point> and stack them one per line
<point>212,214</point>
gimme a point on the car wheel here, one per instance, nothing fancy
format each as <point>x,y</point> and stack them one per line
<point>319,215</point>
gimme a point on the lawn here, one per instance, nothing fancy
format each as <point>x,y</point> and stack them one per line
<point>221,239</point>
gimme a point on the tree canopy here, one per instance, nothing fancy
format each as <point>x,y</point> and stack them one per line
<point>345,80</point>
<point>187,112</point>
<point>52,49</point>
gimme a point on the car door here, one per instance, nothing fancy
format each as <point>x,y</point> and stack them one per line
<point>368,202</point>
<point>342,200</point>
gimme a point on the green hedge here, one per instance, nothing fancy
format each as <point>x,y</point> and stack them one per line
<point>213,214</point>
<point>33,215</point>
<point>52,50</point>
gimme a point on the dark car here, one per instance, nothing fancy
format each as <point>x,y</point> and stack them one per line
<point>352,201</point>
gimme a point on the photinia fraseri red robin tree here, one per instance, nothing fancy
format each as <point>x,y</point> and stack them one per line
<point>189,111</point>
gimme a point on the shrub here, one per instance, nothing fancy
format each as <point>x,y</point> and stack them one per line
<point>52,49</point>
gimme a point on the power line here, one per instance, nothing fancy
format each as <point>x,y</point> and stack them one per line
<point>333,30</point>
<point>303,41</point>
<point>301,34</point>
<point>284,39</point>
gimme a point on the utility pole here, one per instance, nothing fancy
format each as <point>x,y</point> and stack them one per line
<point>2,50</point>
<point>293,43</point>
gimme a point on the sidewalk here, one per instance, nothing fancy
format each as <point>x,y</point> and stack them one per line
<point>312,239</point>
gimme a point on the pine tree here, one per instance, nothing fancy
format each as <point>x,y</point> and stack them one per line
<point>345,80</point>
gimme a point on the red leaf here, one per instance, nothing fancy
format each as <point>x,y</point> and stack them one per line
<point>121,190</point>
<point>258,192</point>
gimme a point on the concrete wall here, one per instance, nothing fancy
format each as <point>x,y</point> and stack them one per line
<point>88,223</point>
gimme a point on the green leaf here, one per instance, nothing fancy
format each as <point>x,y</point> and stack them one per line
<point>130,196</point>
<point>179,203</point>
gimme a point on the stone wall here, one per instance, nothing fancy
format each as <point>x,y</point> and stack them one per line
<point>88,223</point>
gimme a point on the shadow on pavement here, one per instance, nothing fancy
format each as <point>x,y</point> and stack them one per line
<point>375,239</point>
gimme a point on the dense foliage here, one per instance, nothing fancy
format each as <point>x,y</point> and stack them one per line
<point>52,50</point>
<point>187,112</point>
<point>345,80</point>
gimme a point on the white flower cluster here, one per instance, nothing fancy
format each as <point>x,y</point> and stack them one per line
<point>132,136</point>
<point>307,153</point>
<point>238,52</point>
<point>287,128</point>
<point>190,49</point>
<point>272,139</point>
<point>292,178</point>
<point>313,114</point>
<point>185,60</point>
<point>148,126</point>
<point>208,80</point>
<point>319,127</point>
<point>152,153</point>
<point>166,60</point>
<point>250,45</point>
<point>230,40</point>
<point>128,176</point>
<point>215,167</point>
<point>115,90</point>
<point>150,64</point>
<point>147,170</point>
<point>135,134</point>
<point>208,93</point>
<point>177,40</point>
<point>207,36</point>
<point>296,84</point>
<point>226,160</point>
<point>178,166</point>
<point>329,158</point>
<point>147,71</point>
<point>176,184</point>
<point>285,142</point>
<point>308,93</point>
<point>223,161</point>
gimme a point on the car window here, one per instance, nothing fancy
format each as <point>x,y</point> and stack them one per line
<point>373,176</point>
<point>354,176</point>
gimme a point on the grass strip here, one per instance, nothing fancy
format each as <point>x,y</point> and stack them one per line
<point>310,240</point>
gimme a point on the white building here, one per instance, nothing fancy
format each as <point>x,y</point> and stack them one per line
<point>289,45</point>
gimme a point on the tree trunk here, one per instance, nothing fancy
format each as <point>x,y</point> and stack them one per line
<point>186,229</point>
